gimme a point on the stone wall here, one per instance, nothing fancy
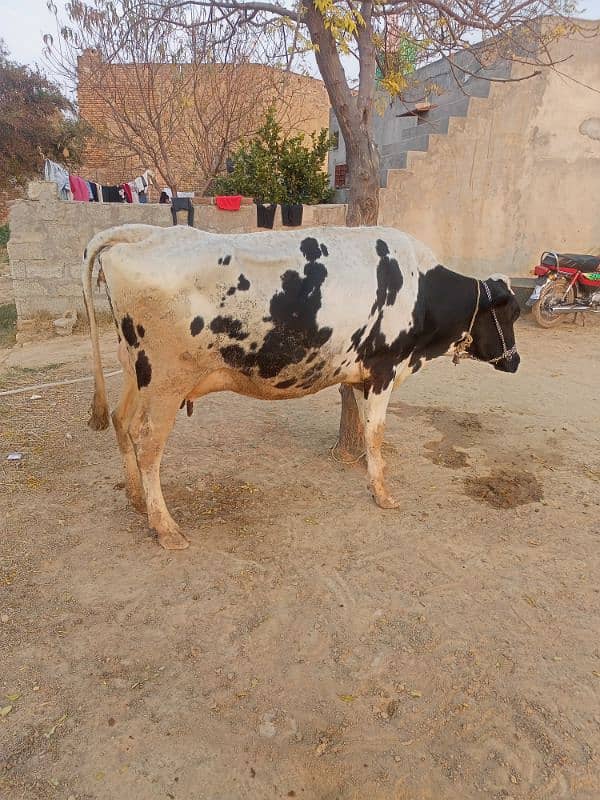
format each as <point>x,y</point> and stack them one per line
<point>48,237</point>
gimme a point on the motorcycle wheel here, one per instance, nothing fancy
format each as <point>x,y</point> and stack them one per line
<point>552,293</point>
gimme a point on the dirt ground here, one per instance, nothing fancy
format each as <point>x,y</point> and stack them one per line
<point>307,644</point>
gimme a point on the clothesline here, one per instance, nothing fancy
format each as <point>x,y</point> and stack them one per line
<point>73,187</point>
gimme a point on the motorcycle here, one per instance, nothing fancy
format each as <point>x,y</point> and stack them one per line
<point>567,284</point>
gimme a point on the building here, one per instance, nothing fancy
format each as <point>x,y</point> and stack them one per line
<point>183,121</point>
<point>489,174</point>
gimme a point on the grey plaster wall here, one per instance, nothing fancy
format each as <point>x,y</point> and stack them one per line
<point>444,86</point>
<point>48,237</point>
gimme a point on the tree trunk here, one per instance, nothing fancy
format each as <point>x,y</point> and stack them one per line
<point>362,159</point>
<point>351,440</point>
<point>355,117</point>
<point>363,209</point>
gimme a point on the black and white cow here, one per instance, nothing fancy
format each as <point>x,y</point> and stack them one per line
<point>277,316</point>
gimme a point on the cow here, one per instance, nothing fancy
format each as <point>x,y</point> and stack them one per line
<point>276,316</point>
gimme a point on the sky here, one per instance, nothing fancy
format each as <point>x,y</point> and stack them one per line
<point>23,23</point>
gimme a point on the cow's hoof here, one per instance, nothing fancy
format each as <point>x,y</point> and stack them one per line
<point>387,502</point>
<point>173,540</point>
<point>383,498</point>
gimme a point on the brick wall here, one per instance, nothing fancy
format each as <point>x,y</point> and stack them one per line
<point>118,100</point>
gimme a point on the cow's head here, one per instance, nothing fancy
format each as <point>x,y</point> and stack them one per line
<point>493,330</point>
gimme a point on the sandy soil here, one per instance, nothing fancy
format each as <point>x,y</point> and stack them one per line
<point>308,644</point>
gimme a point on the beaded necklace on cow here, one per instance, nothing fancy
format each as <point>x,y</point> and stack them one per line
<point>461,347</point>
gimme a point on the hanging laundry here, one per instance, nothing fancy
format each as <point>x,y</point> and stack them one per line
<point>182,204</point>
<point>229,202</point>
<point>93,192</point>
<point>134,192</point>
<point>58,174</point>
<point>79,188</point>
<point>111,194</point>
<point>124,187</point>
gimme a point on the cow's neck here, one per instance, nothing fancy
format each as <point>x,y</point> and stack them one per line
<point>445,306</point>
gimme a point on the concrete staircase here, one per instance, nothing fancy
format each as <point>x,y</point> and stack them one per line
<point>466,127</point>
<point>400,136</point>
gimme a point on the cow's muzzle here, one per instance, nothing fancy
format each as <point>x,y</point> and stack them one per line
<point>508,363</point>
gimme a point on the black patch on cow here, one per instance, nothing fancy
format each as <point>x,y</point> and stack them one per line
<point>231,290</point>
<point>234,355</point>
<point>143,369</point>
<point>285,384</point>
<point>389,278</point>
<point>243,283</point>
<point>356,337</point>
<point>232,327</point>
<point>253,346</point>
<point>128,329</point>
<point>324,250</point>
<point>196,326</point>
<point>225,260</point>
<point>310,249</point>
<point>293,314</point>
<point>141,331</point>
<point>443,309</point>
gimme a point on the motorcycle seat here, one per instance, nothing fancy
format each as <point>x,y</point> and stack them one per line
<point>572,261</point>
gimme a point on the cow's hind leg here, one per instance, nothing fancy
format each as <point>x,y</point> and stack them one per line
<point>375,408</point>
<point>122,417</point>
<point>150,431</point>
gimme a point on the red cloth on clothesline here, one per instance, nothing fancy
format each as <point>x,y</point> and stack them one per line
<point>79,188</point>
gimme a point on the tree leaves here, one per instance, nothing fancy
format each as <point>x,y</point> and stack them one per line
<point>274,168</point>
<point>36,121</point>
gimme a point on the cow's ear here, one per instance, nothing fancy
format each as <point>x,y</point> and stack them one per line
<point>500,292</point>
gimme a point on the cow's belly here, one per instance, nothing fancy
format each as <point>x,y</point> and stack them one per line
<point>232,380</point>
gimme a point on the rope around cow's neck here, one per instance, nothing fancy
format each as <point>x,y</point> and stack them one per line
<point>461,347</point>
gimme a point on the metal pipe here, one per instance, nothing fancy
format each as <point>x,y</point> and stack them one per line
<point>572,309</point>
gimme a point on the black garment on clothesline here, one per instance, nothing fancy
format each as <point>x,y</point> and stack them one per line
<point>182,204</point>
<point>111,194</point>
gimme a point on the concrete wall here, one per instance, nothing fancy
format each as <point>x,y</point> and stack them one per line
<point>445,87</point>
<point>48,237</point>
<point>519,174</point>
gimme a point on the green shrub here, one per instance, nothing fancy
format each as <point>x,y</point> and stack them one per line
<point>273,168</point>
<point>4,235</point>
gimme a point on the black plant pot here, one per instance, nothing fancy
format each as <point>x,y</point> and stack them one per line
<point>265,214</point>
<point>291,214</point>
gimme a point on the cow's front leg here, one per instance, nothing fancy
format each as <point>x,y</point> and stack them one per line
<point>150,432</point>
<point>375,408</point>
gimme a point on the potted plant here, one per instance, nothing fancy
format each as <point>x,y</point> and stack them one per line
<point>303,178</point>
<point>255,171</point>
<point>274,169</point>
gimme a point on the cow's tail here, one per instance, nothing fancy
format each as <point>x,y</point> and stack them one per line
<point>123,234</point>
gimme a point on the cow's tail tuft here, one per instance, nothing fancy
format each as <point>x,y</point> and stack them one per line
<point>123,234</point>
